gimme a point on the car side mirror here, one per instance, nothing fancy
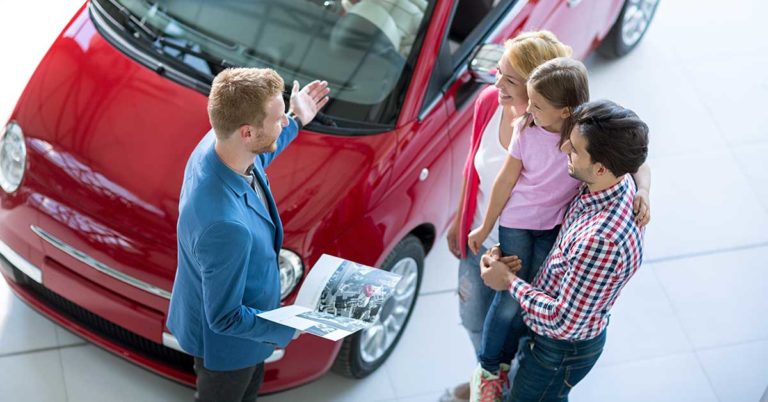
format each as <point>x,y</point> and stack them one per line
<point>482,64</point>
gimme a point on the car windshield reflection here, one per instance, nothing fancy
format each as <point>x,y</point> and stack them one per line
<point>361,47</point>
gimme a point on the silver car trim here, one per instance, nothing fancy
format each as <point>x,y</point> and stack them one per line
<point>424,113</point>
<point>170,341</point>
<point>21,263</point>
<point>508,18</point>
<point>275,356</point>
<point>98,265</point>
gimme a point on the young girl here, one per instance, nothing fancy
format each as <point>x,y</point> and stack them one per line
<point>529,197</point>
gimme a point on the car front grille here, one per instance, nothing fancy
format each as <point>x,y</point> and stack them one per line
<point>106,329</point>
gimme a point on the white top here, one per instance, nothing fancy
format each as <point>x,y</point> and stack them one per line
<point>489,160</point>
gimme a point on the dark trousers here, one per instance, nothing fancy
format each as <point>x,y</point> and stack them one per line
<point>228,386</point>
<point>550,368</point>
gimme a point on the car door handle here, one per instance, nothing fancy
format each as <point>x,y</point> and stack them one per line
<point>573,3</point>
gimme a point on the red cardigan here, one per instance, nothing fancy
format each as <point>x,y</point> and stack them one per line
<point>485,106</point>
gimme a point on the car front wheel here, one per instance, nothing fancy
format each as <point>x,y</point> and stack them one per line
<point>362,353</point>
<point>629,28</point>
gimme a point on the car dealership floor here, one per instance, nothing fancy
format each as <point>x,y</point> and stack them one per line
<point>690,326</point>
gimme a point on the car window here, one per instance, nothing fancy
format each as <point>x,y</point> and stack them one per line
<point>363,48</point>
<point>468,19</point>
<point>471,22</point>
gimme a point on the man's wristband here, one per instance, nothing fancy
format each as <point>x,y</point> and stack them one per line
<point>296,119</point>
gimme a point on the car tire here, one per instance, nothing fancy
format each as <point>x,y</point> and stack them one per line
<point>630,27</point>
<point>357,357</point>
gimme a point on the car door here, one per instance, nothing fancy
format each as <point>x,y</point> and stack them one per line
<point>571,20</point>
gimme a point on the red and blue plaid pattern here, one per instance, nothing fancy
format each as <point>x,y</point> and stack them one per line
<point>597,250</point>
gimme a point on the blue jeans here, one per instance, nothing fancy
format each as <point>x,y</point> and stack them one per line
<point>474,297</point>
<point>503,326</point>
<point>550,368</point>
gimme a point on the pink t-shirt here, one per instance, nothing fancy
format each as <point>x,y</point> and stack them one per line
<point>544,188</point>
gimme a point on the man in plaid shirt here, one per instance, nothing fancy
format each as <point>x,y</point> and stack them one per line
<point>598,249</point>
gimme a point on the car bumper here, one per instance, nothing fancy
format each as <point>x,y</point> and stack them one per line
<point>304,360</point>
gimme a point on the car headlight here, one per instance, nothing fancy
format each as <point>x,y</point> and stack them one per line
<point>13,157</point>
<point>291,271</point>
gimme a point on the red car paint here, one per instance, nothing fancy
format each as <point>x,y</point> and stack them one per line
<point>107,140</point>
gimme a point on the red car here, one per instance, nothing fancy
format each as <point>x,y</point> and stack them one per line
<point>91,160</point>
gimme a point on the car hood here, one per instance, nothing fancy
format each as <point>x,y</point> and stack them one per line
<point>108,140</point>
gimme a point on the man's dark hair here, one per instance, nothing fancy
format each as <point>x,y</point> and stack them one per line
<point>615,136</point>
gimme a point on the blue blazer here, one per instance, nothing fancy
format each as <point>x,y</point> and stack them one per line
<point>228,245</point>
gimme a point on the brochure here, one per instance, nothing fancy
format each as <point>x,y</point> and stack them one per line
<point>338,298</point>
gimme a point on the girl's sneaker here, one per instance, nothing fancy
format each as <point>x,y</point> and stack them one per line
<point>486,386</point>
<point>459,393</point>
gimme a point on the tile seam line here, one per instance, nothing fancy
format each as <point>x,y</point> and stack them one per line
<point>438,292</point>
<point>63,374</point>
<point>391,383</point>
<point>40,350</point>
<point>687,335</point>
<point>705,253</point>
<point>710,348</point>
<point>707,375</point>
<point>647,359</point>
<point>728,145</point>
<point>61,364</point>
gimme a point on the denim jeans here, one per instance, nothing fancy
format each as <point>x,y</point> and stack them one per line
<point>503,326</point>
<point>550,368</point>
<point>474,297</point>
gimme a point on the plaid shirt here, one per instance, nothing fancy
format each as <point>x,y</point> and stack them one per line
<point>597,250</point>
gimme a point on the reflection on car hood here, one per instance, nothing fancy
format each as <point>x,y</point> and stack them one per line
<point>110,138</point>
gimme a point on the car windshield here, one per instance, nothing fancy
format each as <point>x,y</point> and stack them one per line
<point>365,49</point>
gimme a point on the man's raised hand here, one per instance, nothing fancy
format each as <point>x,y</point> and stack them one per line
<point>307,101</point>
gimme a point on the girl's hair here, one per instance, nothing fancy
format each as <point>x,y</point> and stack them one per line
<point>530,49</point>
<point>563,82</point>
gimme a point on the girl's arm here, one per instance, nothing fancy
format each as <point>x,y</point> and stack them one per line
<point>642,203</point>
<point>502,186</point>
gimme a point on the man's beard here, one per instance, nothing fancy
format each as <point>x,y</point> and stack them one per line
<point>578,176</point>
<point>264,149</point>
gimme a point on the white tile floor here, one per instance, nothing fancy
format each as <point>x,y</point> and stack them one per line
<point>691,324</point>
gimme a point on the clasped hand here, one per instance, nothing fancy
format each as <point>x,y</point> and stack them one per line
<point>497,271</point>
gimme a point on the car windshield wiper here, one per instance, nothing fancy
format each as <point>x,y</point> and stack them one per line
<point>187,49</point>
<point>138,29</point>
